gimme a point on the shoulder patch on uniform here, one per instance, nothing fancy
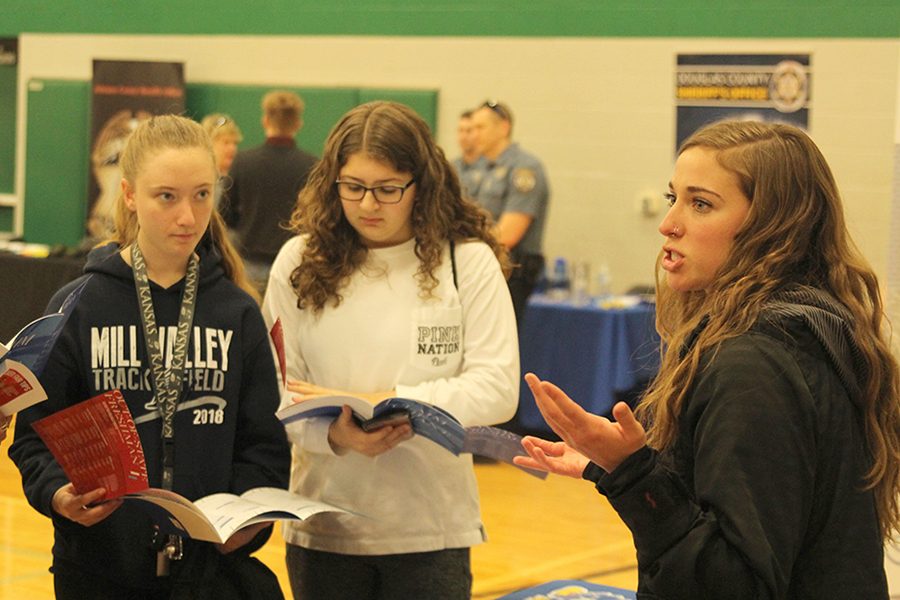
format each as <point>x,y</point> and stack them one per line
<point>524,180</point>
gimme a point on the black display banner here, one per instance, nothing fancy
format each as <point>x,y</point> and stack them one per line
<point>123,94</point>
<point>9,51</point>
<point>760,87</point>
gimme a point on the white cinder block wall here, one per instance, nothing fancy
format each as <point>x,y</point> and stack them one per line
<point>599,111</point>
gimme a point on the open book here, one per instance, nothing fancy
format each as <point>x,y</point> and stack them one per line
<point>23,359</point>
<point>427,420</point>
<point>216,517</point>
<point>97,445</point>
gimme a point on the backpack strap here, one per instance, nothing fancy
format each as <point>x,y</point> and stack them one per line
<point>453,263</point>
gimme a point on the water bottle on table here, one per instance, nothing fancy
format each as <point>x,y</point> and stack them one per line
<point>604,282</point>
<point>581,283</point>
<point>558,286</point>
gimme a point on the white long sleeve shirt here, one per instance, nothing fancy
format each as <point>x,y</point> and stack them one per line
<point>457,350</point>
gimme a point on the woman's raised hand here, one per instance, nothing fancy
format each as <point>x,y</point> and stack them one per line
<point>604,442</point>
<point>553,457</point>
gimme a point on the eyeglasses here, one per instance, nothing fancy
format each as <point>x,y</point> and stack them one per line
<point>499,109</point>
<point>351,191</point>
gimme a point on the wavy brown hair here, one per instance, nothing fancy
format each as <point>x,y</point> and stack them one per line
<point>794,234</point>
<point>394,134</point>
<point>149,138</point>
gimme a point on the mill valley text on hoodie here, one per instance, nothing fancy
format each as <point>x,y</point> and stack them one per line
<point>116,363</point>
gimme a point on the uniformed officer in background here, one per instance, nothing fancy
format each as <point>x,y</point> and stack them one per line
<point>468,164</point>
<point>514,189</point>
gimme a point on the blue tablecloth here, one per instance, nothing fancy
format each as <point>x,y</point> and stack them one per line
<point>590,352</point>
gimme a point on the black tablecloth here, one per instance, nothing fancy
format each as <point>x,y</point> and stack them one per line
<point>27,284</point>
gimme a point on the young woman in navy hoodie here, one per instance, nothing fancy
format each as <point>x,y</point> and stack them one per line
<point>168,257</point>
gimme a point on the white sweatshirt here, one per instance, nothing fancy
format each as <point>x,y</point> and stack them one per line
<point>458,351</point>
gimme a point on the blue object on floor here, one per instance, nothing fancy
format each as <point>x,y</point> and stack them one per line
<point>571,589</point>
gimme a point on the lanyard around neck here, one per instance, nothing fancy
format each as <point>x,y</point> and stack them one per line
<point>167,383</point>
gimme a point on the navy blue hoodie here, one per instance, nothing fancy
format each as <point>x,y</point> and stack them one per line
<point>227,438</point>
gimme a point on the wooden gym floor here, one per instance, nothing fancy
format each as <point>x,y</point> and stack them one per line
<point>558,528</point>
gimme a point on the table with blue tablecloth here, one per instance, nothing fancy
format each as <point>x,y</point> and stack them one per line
<point>593,351</point>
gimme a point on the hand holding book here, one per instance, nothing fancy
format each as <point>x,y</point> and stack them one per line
<point>427,420</point>
<point>85,509</point>
<point>350,432</point>
<point>98,447</point>
<point>369,437</point>
<point>373,413</point>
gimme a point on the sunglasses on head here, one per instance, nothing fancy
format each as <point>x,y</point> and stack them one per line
<point>500,110</point>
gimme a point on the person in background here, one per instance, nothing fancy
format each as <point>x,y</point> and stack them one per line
<point>764,460</point>
<point>169,246</point>
<point>225,136</point>
<point>390,258</point>
<point>469,164</point>
<point>265,183</point>
<point>514,189</point>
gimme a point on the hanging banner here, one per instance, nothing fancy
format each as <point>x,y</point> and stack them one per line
<point>9,51</point>
<point>759,87</point>
<point>123,94</point>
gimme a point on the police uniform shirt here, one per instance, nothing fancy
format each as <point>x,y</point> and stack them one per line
<point>515,182</point>
<point>470,174</point>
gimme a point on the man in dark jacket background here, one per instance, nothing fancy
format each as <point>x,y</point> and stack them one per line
<point>265,183</point>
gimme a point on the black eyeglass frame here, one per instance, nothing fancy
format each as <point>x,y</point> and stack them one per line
<point>374,189</point>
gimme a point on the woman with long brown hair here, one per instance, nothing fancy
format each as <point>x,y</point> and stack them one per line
<point>763,460</point>
<point>393,287</point>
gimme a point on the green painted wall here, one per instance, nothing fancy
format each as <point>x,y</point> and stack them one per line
<point>7,129</point>
<point>6,218</point>
<point>57,149</point>
<point>58,140</point>
<point>620,18</point>
<point>538,18</point>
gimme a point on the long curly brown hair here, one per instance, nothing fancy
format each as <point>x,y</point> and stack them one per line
<point>395,134</point>
<point>794,234</point>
